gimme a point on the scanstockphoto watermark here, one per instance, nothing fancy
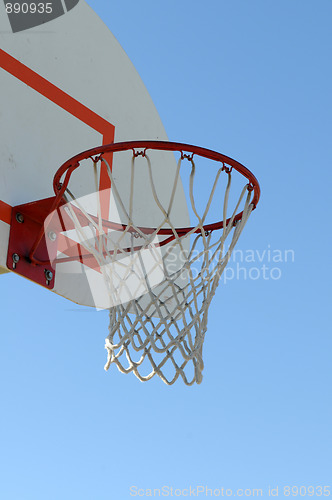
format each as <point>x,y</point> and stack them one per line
<point>284,491</point>
<point>266,264</point>
<point>250,264</point>
<point>194,491</point>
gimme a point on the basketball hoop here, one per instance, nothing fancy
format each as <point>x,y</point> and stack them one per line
<point>159,280</point>
<point>167,338</point>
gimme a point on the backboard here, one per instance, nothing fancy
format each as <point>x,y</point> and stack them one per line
<point>67,86</point>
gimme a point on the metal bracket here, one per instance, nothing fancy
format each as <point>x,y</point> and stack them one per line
<point>26,223</point>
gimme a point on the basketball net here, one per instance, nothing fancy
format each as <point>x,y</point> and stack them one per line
<point>158,314</point>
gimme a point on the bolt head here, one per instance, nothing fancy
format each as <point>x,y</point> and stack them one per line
<point>52,235</point>
<point>48,275</point>
<point>16,258</point>
<point>19,217</point>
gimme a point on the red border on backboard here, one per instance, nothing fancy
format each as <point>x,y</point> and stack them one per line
<point>66,102</point>
<point>5,212</point>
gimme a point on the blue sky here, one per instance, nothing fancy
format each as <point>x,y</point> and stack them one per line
<point>251,80</point>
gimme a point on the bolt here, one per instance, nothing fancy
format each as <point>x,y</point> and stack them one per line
<point>52,235</point>
<point>48,276</point>
<point>16,258</point>
<point>19,218</point>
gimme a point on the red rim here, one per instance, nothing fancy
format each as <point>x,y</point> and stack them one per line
<point>70,165</point>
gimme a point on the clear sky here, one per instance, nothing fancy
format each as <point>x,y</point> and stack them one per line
<point>251,79</point>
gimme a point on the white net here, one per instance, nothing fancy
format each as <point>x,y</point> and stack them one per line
<point>159,311</point>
